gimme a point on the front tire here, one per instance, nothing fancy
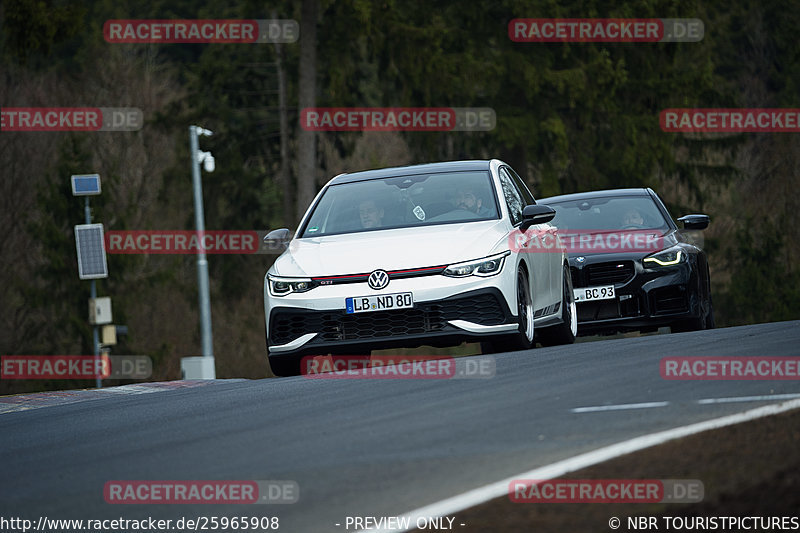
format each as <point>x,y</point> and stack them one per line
<point>706,321</point>
<point>565,332</point>
<point>710,323</point>
<point>522,339</point>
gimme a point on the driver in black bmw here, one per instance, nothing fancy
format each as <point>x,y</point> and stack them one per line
<point>633,218</point>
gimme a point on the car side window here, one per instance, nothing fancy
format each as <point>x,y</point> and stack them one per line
<point>514,199</point>
<point>523,189</point>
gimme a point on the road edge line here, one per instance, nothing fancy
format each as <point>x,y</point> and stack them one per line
<point>483,494</point>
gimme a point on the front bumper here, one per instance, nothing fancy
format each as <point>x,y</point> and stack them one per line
<point>646,298</point>
<point>467,316</point>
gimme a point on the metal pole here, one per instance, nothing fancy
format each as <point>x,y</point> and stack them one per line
<point>202,263</point>
<point>93,295</point>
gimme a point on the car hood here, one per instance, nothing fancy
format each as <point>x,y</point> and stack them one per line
<point>392,249</point>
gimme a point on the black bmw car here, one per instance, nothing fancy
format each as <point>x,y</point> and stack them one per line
<point>632,267</point>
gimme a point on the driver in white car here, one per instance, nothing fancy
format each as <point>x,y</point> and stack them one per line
<point>469,201</point>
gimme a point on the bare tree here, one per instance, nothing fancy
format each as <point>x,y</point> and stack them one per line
<point>307,97</point>
<point>283,174</point>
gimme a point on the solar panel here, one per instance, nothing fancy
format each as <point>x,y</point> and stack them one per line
<point>85,184</point>
<point>91,251</point>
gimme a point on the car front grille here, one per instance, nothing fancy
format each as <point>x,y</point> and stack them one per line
<point>428,317</point>
<point>612,272</point>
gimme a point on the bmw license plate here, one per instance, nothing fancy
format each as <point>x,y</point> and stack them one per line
<point>606,292</point>
<point>383,302</point>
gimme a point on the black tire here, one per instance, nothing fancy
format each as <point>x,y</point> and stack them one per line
<point>710,323</point>
<point>565,332</point>
<point>522,339</point>
<point>285,366</point>
<point>705,321</point>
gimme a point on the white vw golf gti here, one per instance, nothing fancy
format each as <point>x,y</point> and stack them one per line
<point>417,255</point>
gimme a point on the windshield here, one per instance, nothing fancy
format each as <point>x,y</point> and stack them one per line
<point>403,201</point>
<point>608,214</point>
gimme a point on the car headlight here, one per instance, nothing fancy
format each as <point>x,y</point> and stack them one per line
<point>667,257</point>
<point>488,266</point>
<point>282,286</point>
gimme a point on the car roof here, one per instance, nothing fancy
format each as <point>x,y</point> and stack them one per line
<point>642,191</point>
<point>428,168</point>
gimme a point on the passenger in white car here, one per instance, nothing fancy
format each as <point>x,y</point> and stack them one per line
<point>370,214</point>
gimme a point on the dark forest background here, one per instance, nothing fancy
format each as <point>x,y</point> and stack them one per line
<point>570,117</point>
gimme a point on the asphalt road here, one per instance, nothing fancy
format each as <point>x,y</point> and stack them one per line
<point>367,447</point>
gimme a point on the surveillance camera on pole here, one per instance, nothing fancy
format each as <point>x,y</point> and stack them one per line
<point>207,160</point>
<point>201,367</point>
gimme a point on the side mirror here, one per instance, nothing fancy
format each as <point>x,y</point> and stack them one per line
<point>278,239</point>
<point>536,214</point>
<point>695,221</point>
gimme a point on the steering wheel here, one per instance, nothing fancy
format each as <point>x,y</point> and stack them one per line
<point>462,210</point>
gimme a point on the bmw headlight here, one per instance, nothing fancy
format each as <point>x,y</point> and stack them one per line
<point>282,286</point>
<point>488,266</point>
<point>668,257</point>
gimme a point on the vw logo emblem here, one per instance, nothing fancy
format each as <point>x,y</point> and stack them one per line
<point>378,279</point>
<point>580,259</point>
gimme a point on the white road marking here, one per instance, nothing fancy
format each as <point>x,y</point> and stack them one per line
<point>454,504</point>
<point>620,407</point>
<point>763,398</point>
<point>704,401</point>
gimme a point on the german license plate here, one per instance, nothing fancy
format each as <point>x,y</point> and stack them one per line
<point>606,292</point>
<point>383,302</point>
